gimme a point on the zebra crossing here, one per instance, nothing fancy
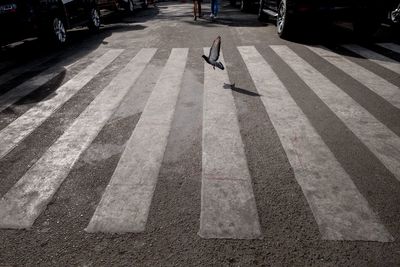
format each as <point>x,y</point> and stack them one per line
<point>313,163</point>
<point>25,124</point>
<point>375,83</point>
<point>126,202</point>
<point>228,203</point>
<point>377,137</point>
<point>374,57</point>
<point>228,208</point>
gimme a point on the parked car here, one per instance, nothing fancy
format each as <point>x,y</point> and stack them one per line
<point>245,5</point>
<point>128,5</point>
<point>393,15</point>
<point>365,15</point>
<point>50,19</point>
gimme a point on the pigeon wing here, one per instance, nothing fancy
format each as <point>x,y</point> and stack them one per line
<point>215,48</point>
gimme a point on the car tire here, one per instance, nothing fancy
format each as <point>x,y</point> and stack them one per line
<point>130,7</point>
<point>245,5</point>
<point>57,32</point>
<point>395,15</point>
<point>261,15</point>
<point>94,19</point>
<point>284,21</point>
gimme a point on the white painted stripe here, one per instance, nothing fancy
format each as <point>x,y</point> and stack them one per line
<point>228,207</point>
<point>375,83</point>
<point>379,59</point>
<point>340,210</point>
<point>28,87</point>
<point>24,202</point>
<point>21,69</point>
<point>391,46</point>
<point>19,129</point>
<point>382,142</point>
<point>126,201</point>
<point>12,96</point>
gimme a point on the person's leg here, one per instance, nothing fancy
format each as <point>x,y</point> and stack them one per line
<point>199,8</point>
<point>216,8</point>
<point>195,9</point>
<point>212,6</point>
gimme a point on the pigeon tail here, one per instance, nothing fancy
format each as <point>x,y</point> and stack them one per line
<point>206,59</point>
<point>219,65</point>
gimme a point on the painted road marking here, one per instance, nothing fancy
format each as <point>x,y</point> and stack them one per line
<point>375,83</point>
<point>391,46</point>
<point>379,59</point>
<point>126,201</point>
<point>382,142</point>
<point>19,129</point>
<point>14,95</point>
<point>340,211</point>
<point>228,207</point>
<point>23,69</point>
<point>24,202</point>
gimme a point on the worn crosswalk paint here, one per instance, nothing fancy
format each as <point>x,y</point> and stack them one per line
<point>24,202</point>
<point>383,88</point>
<point>5,77</point>
<point>341,212</point>
<point>228,207</point>
<point>377,58</point>
<point>391,46</point>
<point>380,140</point>
<point>126,201</point>
<point>9,98</point>
<point>19,129</point>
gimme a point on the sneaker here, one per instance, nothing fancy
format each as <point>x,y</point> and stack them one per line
<point>212,15</point>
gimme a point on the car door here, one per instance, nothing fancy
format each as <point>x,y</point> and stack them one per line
<point>272,5</point>
<point>75,11</point>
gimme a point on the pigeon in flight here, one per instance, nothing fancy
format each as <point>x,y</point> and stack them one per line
<point>214,54</point>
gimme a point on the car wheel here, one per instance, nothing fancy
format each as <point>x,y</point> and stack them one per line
<point>244,6</point>
<point>58,33</point>
<point>395,15</point>
<point>94,21</point>
<point>283,21</point>
<point>261,15</point>
<point>130,7</point>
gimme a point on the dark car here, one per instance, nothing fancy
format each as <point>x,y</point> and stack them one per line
<point>128,5</point>
<point>393,15</point>
<point>365,15</point>
<point>245,5</point>
<point>50,19</point>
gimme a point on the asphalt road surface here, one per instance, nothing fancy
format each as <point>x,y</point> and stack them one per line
<point>125,148</point>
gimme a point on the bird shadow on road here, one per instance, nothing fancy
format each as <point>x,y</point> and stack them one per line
<point>239,90</point>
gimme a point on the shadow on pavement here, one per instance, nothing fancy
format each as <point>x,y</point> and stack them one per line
<point>239,90</point>
<point>81,42</point>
